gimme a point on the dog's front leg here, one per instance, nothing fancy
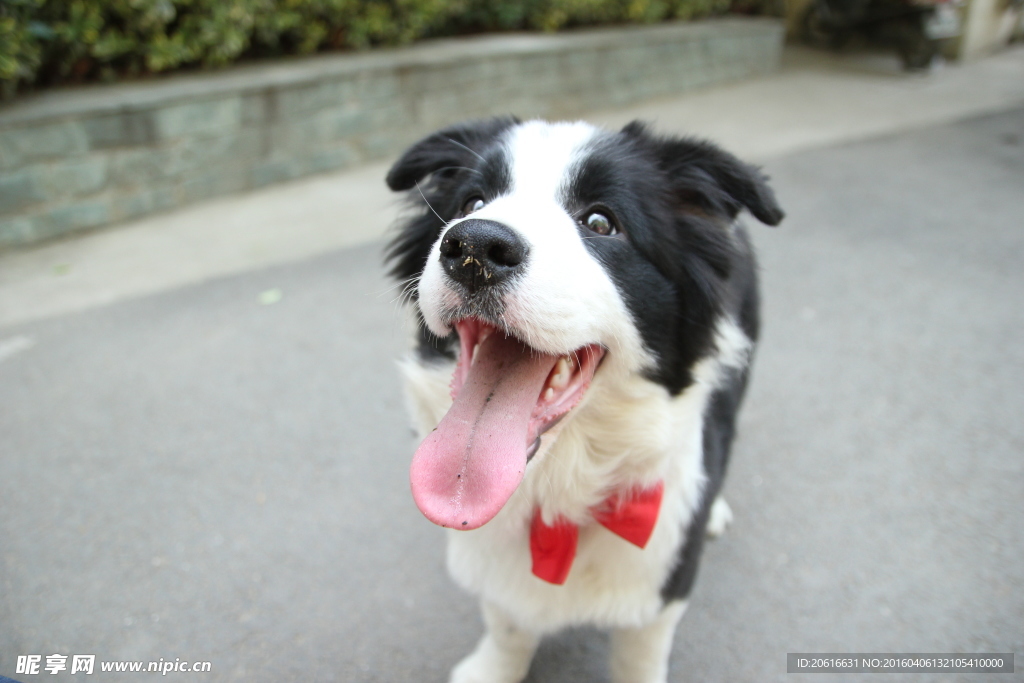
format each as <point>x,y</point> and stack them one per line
<point>640,655</point>
<point>503,655</point>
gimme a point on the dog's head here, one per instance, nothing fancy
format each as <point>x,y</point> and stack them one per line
<point>546,253</point>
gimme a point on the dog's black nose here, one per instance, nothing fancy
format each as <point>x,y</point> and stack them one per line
<point>479,253</point>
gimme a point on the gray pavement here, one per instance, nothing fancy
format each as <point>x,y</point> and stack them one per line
<point>194,474</point>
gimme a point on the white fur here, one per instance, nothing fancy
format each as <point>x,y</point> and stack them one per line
<point>626,432</point>
<point>640,655</point>
<point>719,519</point>
<point>503,654</point>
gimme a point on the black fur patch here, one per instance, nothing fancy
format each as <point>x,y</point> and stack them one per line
<point>446,169</point>
<point>680,261</point>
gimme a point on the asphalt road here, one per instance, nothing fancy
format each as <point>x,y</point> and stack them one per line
<point>198,475</point>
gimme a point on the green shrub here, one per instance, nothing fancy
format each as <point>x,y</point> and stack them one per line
<point>43,42</point>
<point>20,35</point>
<point>551,15</point>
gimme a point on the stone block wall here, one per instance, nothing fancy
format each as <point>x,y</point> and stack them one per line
<point>82,158</point>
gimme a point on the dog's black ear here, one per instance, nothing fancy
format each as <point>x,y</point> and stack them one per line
<point>458,145</point>
<point>710,179</point>
<point>439,156</point>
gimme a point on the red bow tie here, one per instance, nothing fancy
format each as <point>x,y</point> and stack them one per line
<point>632,517</point>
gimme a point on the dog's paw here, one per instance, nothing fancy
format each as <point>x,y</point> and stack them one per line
<point>470,670</point>
<point>719,519</point>
<point>487,665</point>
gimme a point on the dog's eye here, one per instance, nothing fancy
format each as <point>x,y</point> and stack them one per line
<point>472,204</point>
<point>595,221</point>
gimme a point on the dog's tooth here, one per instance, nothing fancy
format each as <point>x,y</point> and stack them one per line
<point>563,371</point>
<point>472,356</point>
<point>548,393</point>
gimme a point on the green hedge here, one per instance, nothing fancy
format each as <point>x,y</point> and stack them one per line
<point>43,42</point>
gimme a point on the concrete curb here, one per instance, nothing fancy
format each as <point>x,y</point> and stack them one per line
<point>80,159</point>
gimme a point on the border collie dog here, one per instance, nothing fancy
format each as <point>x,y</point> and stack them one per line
<point>587,306</point>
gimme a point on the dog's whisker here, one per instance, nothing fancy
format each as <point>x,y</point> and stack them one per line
<point>428,204</point>
<point>408,290</point>
<point>391,288</point>
<point>405,295</point>
<point>460,168</point>
<point>405,283</point>
<point>471,151</point>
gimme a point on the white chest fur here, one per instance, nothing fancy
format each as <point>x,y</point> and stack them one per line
<point>627,432</point>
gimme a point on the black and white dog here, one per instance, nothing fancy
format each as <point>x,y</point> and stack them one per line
<point>587,307</point>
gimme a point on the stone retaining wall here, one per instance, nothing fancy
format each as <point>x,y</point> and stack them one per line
<point>82,158</point>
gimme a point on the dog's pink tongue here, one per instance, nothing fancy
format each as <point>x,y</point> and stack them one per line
<point>466,469</point>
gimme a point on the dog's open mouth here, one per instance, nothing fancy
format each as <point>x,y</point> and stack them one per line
<point>505,395</point>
